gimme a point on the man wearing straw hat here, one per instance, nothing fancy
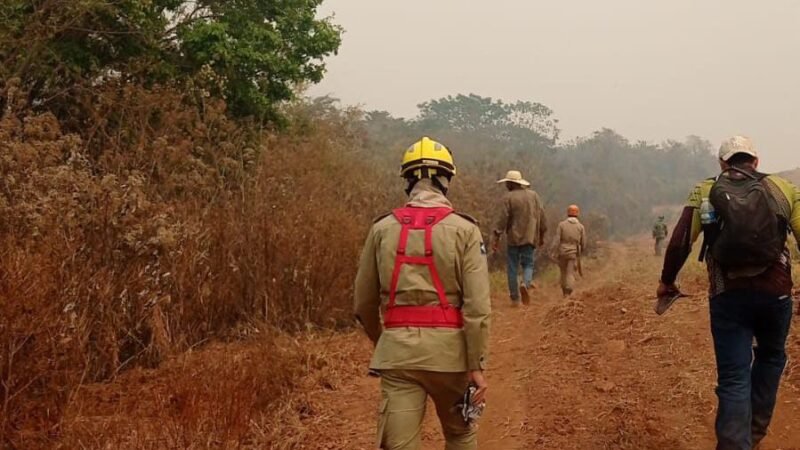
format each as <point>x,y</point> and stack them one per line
<point>522,219</point>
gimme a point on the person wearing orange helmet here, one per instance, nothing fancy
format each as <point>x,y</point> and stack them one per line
<point>569,243</point>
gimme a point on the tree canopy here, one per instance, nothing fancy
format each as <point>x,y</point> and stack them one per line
<point>473,112</point>
<point>249,52</point>
<point>605,173</point>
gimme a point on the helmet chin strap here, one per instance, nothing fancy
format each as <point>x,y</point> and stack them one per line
<point>412,181</point>
<point>436,180</point>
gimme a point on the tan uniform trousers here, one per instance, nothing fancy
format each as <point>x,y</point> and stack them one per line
<point>659,246</point>
<point>404,396</point>
<point>567,264</point>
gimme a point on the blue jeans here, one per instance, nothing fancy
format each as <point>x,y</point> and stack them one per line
<point>523,255</point>
<point>748,376</point>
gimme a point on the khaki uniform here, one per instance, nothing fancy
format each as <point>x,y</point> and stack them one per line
<point>660,234</point>
<point>420,362</point>
<point>570,242</point>
<point>522,218</point>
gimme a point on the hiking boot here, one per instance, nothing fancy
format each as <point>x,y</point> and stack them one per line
<point>514,302</point>
<point>523,290</point>
<point>758,436</point>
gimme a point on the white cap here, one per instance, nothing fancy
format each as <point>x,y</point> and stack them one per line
<point>735,145</point>
<point>514,176</point>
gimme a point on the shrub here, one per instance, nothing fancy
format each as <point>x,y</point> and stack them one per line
<point>162,226</point>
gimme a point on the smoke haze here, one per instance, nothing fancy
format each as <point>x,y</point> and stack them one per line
<point>649,70</point>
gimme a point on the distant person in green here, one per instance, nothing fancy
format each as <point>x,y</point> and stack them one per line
<point>660,234</point>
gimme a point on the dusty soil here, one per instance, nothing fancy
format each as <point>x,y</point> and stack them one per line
<point>597,371</point>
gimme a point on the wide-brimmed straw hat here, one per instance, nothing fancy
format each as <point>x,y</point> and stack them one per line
<point>514,176</point>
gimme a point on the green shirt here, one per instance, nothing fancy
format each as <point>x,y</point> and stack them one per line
<point>776,280</point>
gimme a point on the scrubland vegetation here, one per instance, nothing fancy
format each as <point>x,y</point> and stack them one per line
<point>158,195</point>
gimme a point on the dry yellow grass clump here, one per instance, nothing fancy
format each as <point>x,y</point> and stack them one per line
<point>156,227</point>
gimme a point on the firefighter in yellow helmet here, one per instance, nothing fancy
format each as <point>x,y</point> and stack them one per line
<point>569,243</point>
<point>424,267</point>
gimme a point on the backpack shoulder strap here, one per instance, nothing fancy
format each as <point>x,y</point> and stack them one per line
<point>468,217</point>
<point>412,218</point>
<point>760,175</point>
<point>751,175</point>
<point>381,217</point>
<point>777,199</point>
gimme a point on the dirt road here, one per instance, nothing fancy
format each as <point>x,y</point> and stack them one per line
<point>598,371</point>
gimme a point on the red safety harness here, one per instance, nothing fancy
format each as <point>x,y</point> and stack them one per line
<point>443,315</point>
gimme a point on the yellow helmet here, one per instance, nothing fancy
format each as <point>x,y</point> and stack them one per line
<point>426,159</point>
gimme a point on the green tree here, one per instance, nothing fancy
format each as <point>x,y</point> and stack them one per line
<point>462,112</point>
<point>618,182</point>
<point>250,52</point>
<point>475,113</point>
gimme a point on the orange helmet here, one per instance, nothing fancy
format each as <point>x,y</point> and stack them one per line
<point>573,211</point>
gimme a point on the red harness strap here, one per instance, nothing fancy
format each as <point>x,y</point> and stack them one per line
<point>444,315</point>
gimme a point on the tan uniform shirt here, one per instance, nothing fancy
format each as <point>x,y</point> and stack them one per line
<point>460,259</point>
<point>522,218</point>
<point>570,237</point>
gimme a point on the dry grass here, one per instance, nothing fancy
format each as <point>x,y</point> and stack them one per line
<point>264,392</point>
<point>162,227</point>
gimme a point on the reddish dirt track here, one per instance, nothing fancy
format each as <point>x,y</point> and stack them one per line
<point>597,371</point>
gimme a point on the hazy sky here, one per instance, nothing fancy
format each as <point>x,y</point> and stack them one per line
<point>649,69</point>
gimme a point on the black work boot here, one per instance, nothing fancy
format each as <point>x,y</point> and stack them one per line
<point>523,291</point>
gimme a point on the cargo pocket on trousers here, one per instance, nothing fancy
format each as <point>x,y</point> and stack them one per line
<point>383,417</point>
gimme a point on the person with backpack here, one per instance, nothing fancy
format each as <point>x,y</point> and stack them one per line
<point>745,217</point>
<point>425,266</point>
<point>660,232</point>
<point>523,221</point>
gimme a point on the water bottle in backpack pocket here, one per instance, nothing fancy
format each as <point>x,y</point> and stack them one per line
<point>709,224</point>
<point>708,215</point>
